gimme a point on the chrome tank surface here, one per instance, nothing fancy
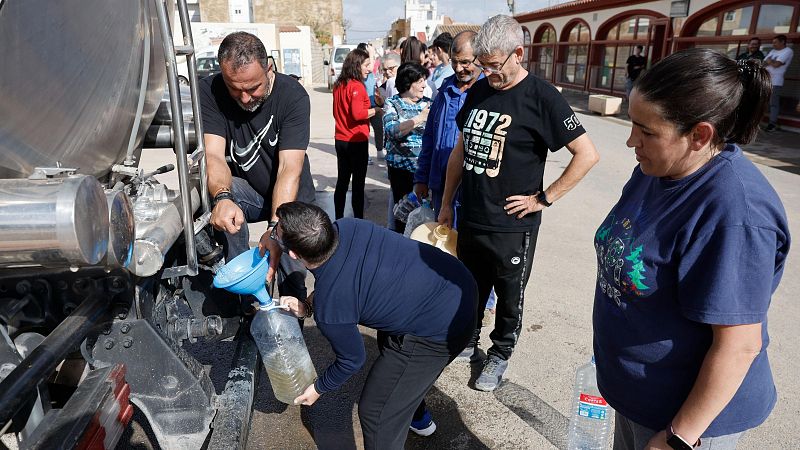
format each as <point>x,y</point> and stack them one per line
<point>79,84</point>
<point>53,223</point>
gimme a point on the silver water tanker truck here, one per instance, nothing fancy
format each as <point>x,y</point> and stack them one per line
<point>104,271</point>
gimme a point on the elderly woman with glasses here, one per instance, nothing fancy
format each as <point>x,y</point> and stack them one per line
<point>404,120</point>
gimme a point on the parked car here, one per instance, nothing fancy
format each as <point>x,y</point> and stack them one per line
<point>206,66</point>
<point>338,55</point>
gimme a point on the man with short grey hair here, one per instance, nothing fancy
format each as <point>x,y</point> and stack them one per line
<point>509,122</point>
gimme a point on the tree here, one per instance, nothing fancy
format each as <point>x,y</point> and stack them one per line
<point>637,269</point>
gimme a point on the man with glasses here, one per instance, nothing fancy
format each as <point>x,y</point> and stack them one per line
<point>441,131</point>
<point>389,64</point>
<point>424,318</point>
<point>509,122</point>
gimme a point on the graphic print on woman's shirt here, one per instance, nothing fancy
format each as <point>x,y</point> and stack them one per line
<point>620,268</point>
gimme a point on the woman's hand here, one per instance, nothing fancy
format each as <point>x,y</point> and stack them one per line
<point>308,397</point>
<point>422,117</point>
<point>296,307</point>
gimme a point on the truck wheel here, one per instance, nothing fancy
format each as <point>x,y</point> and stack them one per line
<point>183,80</point>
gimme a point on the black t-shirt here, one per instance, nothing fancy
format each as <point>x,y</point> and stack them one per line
<point>254,139</point>
<point>506,138</point>
<point>632,61</point>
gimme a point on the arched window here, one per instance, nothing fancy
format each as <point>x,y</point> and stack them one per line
<point>543,52</point>
<point>729,28</point>
<point>574,48</point>
<point>617,39</point>
<point>526,46</point>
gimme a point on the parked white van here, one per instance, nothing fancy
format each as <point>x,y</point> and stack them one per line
<point>338,55</point>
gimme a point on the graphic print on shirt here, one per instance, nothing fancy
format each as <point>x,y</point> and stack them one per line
<point>620,269</point>
<point>484,139</point>
<point>246,157</point>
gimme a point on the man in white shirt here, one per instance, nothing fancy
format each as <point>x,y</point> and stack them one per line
<point>776,63</point>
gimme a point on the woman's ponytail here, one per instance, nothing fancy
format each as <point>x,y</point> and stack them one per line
<point>757,88</point>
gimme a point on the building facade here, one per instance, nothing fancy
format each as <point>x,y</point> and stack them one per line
<point>584,44</point>
<point>325,17</point>
<point>423,17</point>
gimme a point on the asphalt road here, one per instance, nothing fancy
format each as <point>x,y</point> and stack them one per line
<point>530,410</point>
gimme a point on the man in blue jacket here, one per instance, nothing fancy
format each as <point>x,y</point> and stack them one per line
<point>421,300</point>
<point>441,131</point>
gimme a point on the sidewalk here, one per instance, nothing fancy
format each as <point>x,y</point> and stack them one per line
<point>779,149</point>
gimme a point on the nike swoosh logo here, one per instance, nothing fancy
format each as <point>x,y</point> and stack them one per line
<point>238,154</point>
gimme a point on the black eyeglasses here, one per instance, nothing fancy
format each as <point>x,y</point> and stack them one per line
<point>274,236</point>
<point>492,70</point>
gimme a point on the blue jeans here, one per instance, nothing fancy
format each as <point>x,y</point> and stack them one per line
<point>291,274</point>
<point>775,104</point>
<point>629,435</point>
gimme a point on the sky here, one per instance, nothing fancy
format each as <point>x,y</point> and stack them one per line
<point>371,19</point>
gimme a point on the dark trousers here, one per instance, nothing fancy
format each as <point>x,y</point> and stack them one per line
<point>394,392</point>
<point>401,182</point>
<point>376,122</point>
<point>502,260</point>
<point>291,273</point>
<point>351,160</point>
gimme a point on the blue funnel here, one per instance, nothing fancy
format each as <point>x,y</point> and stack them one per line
<point>246,274</point>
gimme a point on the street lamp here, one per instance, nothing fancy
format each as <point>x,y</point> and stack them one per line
<point>511,6</point>
<point>428,30</point>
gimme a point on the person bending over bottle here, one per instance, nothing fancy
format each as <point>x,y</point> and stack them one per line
<point>421,300</point>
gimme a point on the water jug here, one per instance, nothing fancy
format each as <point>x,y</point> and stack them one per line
<point>277,333</point>
<point>590,424</point>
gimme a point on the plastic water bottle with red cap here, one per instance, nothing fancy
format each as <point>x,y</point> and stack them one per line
<point>590,424</point>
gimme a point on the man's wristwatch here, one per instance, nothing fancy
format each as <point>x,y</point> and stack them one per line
<point>677,442</point>
<point>223,195</point>
<point>541,197</point>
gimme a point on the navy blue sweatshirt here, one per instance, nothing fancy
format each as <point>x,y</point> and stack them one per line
<point>382,280</point>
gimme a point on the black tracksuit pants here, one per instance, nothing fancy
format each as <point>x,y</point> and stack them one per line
<point>502,260</point>
<point>397,383</point>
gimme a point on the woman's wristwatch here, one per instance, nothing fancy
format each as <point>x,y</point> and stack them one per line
<point>677,442</point>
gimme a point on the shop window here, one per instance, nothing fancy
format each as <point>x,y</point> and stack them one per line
<point>573,68</point>
<point>774,19</point>
<point>543,52</point>
<point>737,22</point>
<point>548,36</point>
<point>627,29</point>
<point>708,28</point>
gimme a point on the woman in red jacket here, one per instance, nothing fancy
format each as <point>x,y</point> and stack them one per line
<point>351,112</point>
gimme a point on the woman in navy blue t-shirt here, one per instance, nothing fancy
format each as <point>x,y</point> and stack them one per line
<point>688,260</point>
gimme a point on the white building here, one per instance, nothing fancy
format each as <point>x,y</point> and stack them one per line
<point>422,17</point>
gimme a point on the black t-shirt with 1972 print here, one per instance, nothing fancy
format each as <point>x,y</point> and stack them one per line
<point>506,138</point>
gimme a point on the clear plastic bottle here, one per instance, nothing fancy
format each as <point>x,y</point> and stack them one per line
<point>403,208</point>
<point>283,350</point>
<point>590,423</point>
<point>417,217</point>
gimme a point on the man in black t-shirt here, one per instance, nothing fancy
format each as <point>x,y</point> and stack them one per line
<point>753,51</point>
<point>509,122</point>
<point>635,64</point>
<point>256,131</point>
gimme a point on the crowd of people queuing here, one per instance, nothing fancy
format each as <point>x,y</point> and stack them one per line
<point>688,257</point>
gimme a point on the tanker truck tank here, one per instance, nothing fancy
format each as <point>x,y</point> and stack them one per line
<point>80,83</point>
<point>96,255</point>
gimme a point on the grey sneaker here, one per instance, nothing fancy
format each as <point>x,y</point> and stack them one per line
<point>492,374</point>
<point>466,355</point>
